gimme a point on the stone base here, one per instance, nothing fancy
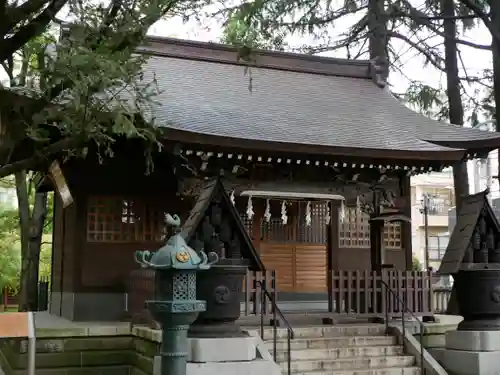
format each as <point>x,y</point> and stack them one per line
<point>472,353</point>
<point>475,341</point>
<point>259,367</point>
<point>227,356</point>
<point>461,362</point>
<point>215,330</point>
<point>222,349</point>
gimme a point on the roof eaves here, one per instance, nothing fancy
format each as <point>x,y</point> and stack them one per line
<point>445,154</point>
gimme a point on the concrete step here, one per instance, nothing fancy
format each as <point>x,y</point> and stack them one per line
<point>377,371</point>
<point>329,331</point>
<point>339,353</point>
<point>354,363</point>
<point>332,342</point>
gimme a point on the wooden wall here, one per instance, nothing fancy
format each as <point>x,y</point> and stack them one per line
<point>298,253</point>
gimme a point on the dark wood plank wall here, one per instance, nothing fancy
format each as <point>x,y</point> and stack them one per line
<point>87,266</point>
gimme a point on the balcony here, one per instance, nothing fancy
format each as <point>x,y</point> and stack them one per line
<point>437,216</point>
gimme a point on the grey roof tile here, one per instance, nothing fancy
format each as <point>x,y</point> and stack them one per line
<point>300,108</point>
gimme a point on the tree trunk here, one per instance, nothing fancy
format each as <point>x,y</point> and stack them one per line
<point>377,37</point>
<point>495,17</point>
<point>456,110</point>
<point>31,228</point>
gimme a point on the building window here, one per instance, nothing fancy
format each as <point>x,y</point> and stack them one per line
<point>355,231</point>
<point>274,229</point>
<point>437,246</point>
<point>296,229</point>
<point>115,219</point>
<point>316,232</point>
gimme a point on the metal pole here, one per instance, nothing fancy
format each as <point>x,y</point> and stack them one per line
<point>426,231</point>
<point>31,343</point>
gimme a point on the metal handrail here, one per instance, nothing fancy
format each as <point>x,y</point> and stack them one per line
<point>290,333</point>
<point>403,310</point>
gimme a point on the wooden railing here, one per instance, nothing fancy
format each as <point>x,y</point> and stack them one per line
<point>252,292</point>
<point>361,293</point>
<point>441,297</point>
<point>354,293</point>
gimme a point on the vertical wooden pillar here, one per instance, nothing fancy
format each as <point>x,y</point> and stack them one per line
<point>332,250</point>
<point>376,235</point>
<point>405,193</point>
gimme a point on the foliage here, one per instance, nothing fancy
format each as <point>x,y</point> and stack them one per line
<point>10,244</point>
<point>10,249</point>
<point>83,86</point>
<point>419,30</point>
<point>415,264</point>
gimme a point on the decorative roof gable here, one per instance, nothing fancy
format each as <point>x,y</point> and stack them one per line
<point>214,225</point>
<point>475,237</point>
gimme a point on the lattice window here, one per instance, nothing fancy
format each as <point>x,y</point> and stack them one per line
<point>247,223</point>
<point>354,232</point>
<point>114,219</point>
<point>275,230</point>
<point>317,231</point>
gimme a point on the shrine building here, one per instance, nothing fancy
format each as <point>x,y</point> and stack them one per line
<point>309,149</point>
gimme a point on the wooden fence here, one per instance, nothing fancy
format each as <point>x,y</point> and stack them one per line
<point>353,293</point>
<point>10,298</point>
<point>441,297</point>
<point>365,293</point>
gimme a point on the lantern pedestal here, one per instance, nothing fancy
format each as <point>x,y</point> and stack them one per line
<point>220,287</point>
<point>474,348</point>
<point>227,356</point>
<point>174,319</point>
<point>478,298</point>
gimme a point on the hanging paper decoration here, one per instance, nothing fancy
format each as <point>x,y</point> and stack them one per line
<point>327,214</point>
<point>231,197</point>
<point>342,211</point>
<point>267,212</point>
<point>250,211</point>
<point>308,214</point>
<point>284,217</point>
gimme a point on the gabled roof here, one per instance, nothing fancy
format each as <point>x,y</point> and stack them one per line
<point>463,232</point>
<point>229,230</point>
<point>297,103</point>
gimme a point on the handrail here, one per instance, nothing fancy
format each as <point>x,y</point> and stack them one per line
<point>404,308</point>
<point>290,333</point>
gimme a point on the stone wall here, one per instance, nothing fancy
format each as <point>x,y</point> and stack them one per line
<point>83,354</point>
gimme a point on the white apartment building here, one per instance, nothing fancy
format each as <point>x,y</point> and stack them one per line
<point>436,191</point>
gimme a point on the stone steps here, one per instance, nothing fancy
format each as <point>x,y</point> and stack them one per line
<point>353,363</point>
<point>373,371</point>
<point>333,342</point>
<point>341,350</point>
<point>328,331</point>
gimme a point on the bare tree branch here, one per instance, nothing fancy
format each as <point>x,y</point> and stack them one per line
<point>422,19</point>
<point>484,17</point>
<point>15,15</point>
<point>39,156</point>
<point>435,60</point>
<point>33,29</point>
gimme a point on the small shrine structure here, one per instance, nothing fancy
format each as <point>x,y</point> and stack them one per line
<point>473,258</point>
<point>311,156</point>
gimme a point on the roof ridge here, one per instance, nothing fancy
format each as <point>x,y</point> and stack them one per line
<point>227,54</point>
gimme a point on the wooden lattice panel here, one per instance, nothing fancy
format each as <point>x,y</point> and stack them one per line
<point>117,219</point>
<point>354,231</point>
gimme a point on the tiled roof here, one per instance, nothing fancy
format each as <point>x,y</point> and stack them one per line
<point>298,108</point>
